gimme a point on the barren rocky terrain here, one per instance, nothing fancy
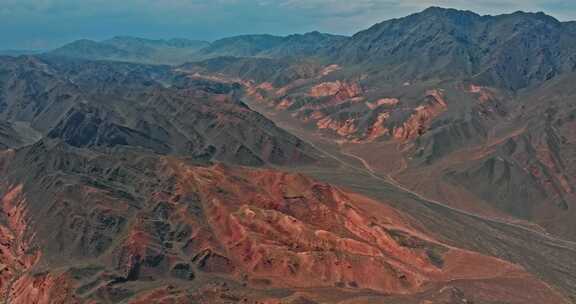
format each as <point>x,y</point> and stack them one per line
<point>427,159</point>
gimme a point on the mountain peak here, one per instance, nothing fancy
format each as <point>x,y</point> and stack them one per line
<point>448,13</point>
<point>442,11</point>
<point>535,15</point>
<point>438,9</point>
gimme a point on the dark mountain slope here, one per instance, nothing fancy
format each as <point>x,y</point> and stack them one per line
<point>108,105</point>
<point>510,51</point>
<point>302,45</point>
<point>268,46</point>
<point>16,135</point>
<point>277,71</point>
<point>241,46</point>
<point>531,174</point>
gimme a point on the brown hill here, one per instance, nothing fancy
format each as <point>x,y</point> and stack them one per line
<point>84,227</point>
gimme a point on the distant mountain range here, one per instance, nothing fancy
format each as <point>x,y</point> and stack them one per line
<point>178,51</point>
<point>19,52</point>
<point>434,43</point>
<point>131,49</point>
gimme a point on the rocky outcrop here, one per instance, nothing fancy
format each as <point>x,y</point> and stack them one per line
<point>42,288</point>
<point>378,129</point>
<point>484,94</point>
<point>17,252</point>
<point>422,117</point>
<point>345,128</point>
<point>383,102</point>
<point>338,89</point>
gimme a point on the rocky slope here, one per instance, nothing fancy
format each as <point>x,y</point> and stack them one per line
<point>461,113</point>
<point>474,147</point>
<point>14,135</point>
<point>108,106</point>
<point>135,228</point>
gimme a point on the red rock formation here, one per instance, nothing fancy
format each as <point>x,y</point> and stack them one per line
<point>16,252</point>
<point>484,94</point>
<point>286,230</point>
<point>339,89</point>
<point>329,70</point>
<point>418,122</point>
<point>378,129</point>
<point>302,234</point>
<point>261,228</point>
<point>284,104</point>
<point>337,92</point>
<point>345,128</point>
<point>42,289</point>
<point>381,102</point>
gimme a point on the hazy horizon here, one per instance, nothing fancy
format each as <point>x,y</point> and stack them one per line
<point>45,24</point>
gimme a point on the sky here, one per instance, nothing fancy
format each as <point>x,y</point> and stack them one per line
<point>45,24</point>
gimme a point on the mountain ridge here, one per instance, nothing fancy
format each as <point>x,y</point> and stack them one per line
<point>141,50</point>
<point>436,42</point>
